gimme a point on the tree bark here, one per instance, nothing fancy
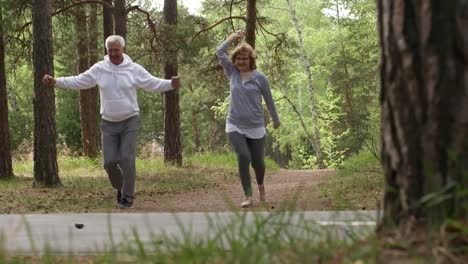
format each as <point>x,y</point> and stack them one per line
<point>45,150</point>
<point>424,102</point>
<point>172,145</point>
<point>6,167</point>
<point>93,47</point>
<point>313,104</point>
<point>107,21</point>
<point>93,115</point>
<point>250,25</point>
<point>88,122</point>
<point>120,15</point>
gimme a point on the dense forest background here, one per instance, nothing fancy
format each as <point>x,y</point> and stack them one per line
<point>339,42</point>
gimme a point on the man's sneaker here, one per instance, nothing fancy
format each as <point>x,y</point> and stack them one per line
<point>261,190</point>
<point>124,203</point>
<point>247,202</point>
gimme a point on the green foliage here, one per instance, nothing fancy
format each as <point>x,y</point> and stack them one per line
<point>68,119</point>
<point>358,181</point>
<point>20,92</point>
<point>222,160</point>
<point>343,56</point>
<point>330,117</point>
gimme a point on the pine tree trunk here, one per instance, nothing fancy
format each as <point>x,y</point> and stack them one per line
<point>107,21</point>
<point>424,101</point>
<point>172,145</point>
<point>45,150</point>
<point>6,168</point>
<point>88,122</point>
<point>93,114</point>
<point>120,15</point>
<point>251,23</point>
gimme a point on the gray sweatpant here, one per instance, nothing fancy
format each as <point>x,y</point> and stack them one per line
<point>248,151</point>
<point>118,152</point>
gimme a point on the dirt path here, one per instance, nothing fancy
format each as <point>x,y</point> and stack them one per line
<point>282,186</point>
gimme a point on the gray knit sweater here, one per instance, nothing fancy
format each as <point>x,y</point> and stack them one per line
<point>245,103</point>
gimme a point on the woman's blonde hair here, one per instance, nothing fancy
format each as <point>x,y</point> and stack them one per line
<point>244,47</point>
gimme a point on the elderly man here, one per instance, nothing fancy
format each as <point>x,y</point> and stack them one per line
<point>118,78</point>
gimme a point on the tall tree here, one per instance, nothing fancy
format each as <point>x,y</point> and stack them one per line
<point>251,22</point>
<point>424,102</point>
<point>45,150</point>
<point>107,20</point>
<point>120,15</point>
<point>94,117</point>
<point>172,145</point>
<point>312,98</point>
<point>88,97</point>
<point>6,168</point>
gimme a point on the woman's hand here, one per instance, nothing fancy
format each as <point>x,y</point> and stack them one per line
<point>238,35</point>
<point>276,125</point>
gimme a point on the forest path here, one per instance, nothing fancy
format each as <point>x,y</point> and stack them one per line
<point>281,186</point>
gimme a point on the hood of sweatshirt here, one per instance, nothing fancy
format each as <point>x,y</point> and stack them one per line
<point>127,61</point>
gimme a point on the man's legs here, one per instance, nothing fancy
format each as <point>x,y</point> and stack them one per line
<point>119,149</point>
<point>127,157</point>
<point>110,153</point>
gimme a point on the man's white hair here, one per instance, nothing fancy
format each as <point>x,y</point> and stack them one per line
<point>115,39</point>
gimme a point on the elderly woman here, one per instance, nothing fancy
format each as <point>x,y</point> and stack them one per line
<point>245,124</point>
<point>118,78</point>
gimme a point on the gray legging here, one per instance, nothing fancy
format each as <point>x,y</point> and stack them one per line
<point>118,152</point>
<point>248,150</point>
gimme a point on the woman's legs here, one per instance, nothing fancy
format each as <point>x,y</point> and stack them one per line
<point>239,144</point>
<point>257,152</point>
<point>248,151</point>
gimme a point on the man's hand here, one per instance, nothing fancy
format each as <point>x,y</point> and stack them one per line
<point>175,82</point>
<point>48,80</point>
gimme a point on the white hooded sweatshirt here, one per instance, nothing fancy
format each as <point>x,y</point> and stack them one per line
<point>117,86</point>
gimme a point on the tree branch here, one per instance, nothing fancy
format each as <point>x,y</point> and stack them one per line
<point>230,14</point>
<point>151,24</point>
<point>68,7</point>
<point>82,2</point>
<point>217,23</point>
<point>280,36</point>
<point>308,136</point>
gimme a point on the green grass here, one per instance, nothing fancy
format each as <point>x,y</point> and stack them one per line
<point>281,237</point>
<point>284,236</point>
<point>222,160</point>
<point>358,185</point>
<point>86,187</point>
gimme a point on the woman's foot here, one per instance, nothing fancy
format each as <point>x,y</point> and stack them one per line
<point>261,190</point>
<point>247,202</point>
